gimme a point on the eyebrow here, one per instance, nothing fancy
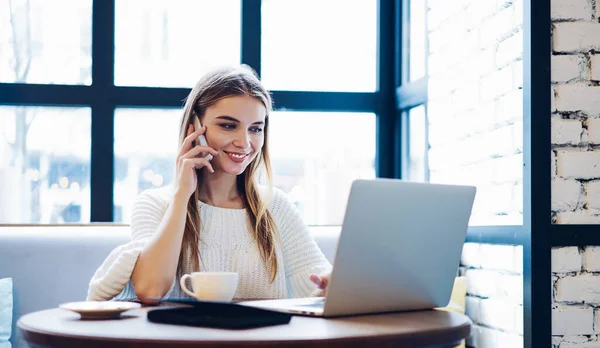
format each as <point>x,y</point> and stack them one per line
<point>232,119</point>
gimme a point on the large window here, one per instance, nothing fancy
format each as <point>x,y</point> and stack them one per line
<point>45,164</point>
<point>303,50</point>
<point>172,43</point>
<point>92,91</point>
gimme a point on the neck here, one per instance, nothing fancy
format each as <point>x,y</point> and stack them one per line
<point>218,189</point>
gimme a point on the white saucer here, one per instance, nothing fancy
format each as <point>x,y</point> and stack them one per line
<point>100,309</point>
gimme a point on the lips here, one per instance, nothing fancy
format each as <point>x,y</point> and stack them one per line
<point>237,157</point>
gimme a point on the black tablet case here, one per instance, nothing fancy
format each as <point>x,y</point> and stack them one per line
<point>222,315</point>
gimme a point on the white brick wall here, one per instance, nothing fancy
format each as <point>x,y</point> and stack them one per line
<point>475,105</point>
<point>575,169</point>
<point>494,294</point>
<point>475,113</point>
<point>576,297</point>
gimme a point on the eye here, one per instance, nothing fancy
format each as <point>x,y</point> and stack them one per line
<point>228,126</point>
<point>256,129</point>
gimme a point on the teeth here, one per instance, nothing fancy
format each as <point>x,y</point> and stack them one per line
<point>236,155</point>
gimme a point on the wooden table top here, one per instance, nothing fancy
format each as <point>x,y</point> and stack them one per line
<point>62,328</point>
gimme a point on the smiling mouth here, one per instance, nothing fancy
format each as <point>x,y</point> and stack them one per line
<point>237,155</point>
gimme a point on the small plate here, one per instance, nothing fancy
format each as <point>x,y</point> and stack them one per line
<point>100,309</point>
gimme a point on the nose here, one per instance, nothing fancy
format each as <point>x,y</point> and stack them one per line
<point>242,140</point>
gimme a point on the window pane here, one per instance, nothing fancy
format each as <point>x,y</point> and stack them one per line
<point>146,143</point>
<point>173,43</point>
<point>319,45</point>
<point>44,165</point>
<point>46,41</point>
<point>417,39</point>
<point>317,161</point>
<point>417,146</point>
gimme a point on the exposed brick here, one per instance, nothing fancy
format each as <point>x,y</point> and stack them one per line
<point>519,252</point>
<point>519,320</point>
<point>481,282</point>
<point>593,126</point>
<point>565,131</point>
<point>571,9</point>
<point>576,36</point>
<point>593,196</point>
<point>567,67</point>
<point>487,337</point>
<point>595,67</point>
<point>510,288</point>
<point>572,320</point>
<point>517,68</point>
<point>566,194</point>
<point>498,257</point>
<point>497,84</point>
<point>498,314</point>
<point>471,255</point>
<point>510,49</point>
<point>509,339</point>
<point>591,259</point>
<point>578,164</point>
<point>553,166</point>
<point>509,107</point>
<point>588,344</point>
<point>579,288</point>
<point>566,259</point>
<point>569,339</point>
<point>578,97</point>
<point>577,217</point>
<point>472,308</point>
<point>498,26</point>
<point>597,320</point>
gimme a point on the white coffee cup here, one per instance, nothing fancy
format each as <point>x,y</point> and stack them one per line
<point>211,286</point>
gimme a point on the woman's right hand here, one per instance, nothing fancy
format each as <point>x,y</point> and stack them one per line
<point>189,160</point>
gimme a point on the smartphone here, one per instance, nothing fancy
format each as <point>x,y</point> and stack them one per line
<point>201,139</point>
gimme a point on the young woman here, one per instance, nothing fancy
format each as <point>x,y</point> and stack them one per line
<point>215,216</point>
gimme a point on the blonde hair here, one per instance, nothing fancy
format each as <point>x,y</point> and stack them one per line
<point>212,87</point>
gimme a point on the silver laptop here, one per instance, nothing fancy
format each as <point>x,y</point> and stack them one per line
<point>399,250</point>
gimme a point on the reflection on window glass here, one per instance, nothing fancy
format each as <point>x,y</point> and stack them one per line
<point>417,39</point>
<point>44,165</point>
<point>146,144</point>
<point>417,147</point>
<point>319,45</point>
<point>314,164</point>
<point>316,156</point>
<point>172,43</point>
<point>46,41</point>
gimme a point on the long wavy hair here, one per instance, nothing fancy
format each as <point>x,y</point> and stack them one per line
<point>212,87</point>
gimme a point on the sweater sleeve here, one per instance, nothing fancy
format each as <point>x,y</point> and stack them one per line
<point>112,279</point>
<point>301,254</point>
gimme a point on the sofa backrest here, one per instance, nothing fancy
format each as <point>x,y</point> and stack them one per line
<point>51,265</point>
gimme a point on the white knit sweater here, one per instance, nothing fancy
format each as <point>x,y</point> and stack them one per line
<point>226,246</point>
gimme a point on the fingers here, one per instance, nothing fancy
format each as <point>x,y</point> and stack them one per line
<point>317,293</point>
<point>320,281</point>
<point>198,163</point>
<point>191,136</point>
<point>315,279</point>
<point>196,150</point>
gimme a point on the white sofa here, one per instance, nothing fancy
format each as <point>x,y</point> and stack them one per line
<point>51,265</point>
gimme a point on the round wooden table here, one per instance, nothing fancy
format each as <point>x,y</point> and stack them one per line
<point>62,328</point>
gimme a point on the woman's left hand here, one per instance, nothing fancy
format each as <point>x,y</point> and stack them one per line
<point>321,280</point>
